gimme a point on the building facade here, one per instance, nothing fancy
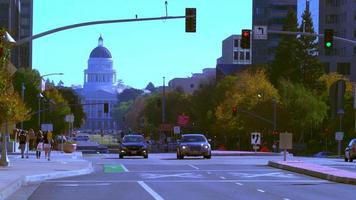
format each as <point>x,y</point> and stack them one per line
<point>191,84</point>
<point>232,53</point>
<point>99,88</point>
<point>16,16</point>
<point>270,13</point>
<point>339,15</point>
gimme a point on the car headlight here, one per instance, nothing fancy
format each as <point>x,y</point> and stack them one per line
<point>184,147</point>
<point>206,146</point>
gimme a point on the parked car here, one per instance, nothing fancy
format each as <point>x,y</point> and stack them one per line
<point>193,145</point>
<point>81,138</point>
<point>322,154</point>
<point>133,145</point>
<point>350,151</point>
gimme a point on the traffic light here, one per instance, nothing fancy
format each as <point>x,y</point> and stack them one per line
<point>328,38</point>
<point>190,20</point>
<point>106,108</point>
<point>234,111</point>
<point>245,39</point>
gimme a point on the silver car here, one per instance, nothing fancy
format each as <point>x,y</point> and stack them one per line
<point>350,151</point>
<point>193,145</point>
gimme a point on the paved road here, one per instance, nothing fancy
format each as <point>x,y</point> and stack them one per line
<point>163,177</point>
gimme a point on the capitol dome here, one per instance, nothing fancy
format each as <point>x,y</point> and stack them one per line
<point>100,51</point>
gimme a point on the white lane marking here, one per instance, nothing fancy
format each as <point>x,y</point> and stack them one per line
<point>124,168</point>
<point>222,177</point>
<point>154,194</point>
<point>260,190</point>
<point>193,181</point>
<point>238,183</point>
<point>85,184</point>
<point>274,174</point>
<point>180,175</point>
<point>197,168</point>
<point>286,199</point>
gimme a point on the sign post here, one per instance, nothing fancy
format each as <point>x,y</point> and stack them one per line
<point>260,32</point>
<point>285,142</point>
<point>339,136</point>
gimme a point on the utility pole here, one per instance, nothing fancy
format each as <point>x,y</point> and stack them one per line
<point>164,101</point>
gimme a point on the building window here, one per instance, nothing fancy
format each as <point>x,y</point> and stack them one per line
<point>343,68</point>
<point>354,50</point>
<point>247,55</point>
<point>242,56</point>
<point>236,55</point>
<point>331,19</point>
<point>192,85</point>
<point>236,43</point>
<point>354,33</point>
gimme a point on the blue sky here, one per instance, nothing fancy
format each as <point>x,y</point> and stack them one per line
<point>143,51</point>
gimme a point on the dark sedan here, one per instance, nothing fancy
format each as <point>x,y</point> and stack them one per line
<point>193,145</point>
<point>133,145</point>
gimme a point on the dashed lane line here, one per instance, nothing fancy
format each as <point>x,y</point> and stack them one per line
<point>260,190</point>
<point>154,194</point>
<point>239,184</point>
<point>222,177</point>
<point>124,168</point>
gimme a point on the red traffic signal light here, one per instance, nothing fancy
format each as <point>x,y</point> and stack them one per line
<point>234,111</point>
<point>190,20</point>
<point>245,39</point>
<point>328,38</point>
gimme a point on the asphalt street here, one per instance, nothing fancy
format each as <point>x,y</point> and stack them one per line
<point>163,177</point>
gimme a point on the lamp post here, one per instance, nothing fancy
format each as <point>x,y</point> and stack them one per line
<point>8,40</point>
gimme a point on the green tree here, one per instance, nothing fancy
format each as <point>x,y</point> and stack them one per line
<point>73,99</point>
<point>286,63</point>
<point>311,67</point>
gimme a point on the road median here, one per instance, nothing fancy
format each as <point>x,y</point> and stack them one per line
<point>318,171</point>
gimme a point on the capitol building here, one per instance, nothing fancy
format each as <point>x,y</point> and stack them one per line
<point>100,87</point>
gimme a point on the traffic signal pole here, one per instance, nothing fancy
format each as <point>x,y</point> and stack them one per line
<point>24,40</point>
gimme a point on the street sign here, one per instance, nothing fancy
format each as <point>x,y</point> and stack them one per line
<point>260,32</point>
<point>166,127</point>
<point>339,136</point>
<point>47,127</point>
<point>69,118</point>
<point>183,120</point>
<point>285,140</point>
<point>255,138</point>
<point>176,130</point>
<point>11,68</point>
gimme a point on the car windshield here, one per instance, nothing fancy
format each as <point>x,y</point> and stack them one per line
<point>193,138</point>
<point>133,139</point>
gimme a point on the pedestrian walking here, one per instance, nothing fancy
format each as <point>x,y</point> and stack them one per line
<point>39,148</point>
<point>39,143</point>
<point>47,145</point>
<point>32,135</point>
<point>22,140</point>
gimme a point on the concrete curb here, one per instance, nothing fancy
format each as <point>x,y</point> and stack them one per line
<point>321,175</point>
<point>245,154</point>
<point>16,185</point>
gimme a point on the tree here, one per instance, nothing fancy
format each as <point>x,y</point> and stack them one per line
<point>31,79</point>
<point>311,67</point>
<point>73,99</point>
<point>286,63</point>
<point>150,87</point>
<point>12,108</point>
<point>129,94</point>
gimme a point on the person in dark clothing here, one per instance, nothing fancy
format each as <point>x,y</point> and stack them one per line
<point>22,140</point>
<point>39,144</point>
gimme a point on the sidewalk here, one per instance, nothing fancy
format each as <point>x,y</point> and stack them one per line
<point>242,153</point>
<point>32,170</point>
<point>315,170</point>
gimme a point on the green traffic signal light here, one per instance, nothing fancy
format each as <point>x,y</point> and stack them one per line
<point>328,44</point>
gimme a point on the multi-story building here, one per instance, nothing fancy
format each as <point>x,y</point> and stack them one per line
<point>99,89</point>
<point>16,16</point>
<point>190,84</point>
<point>233,58</point>
<point>339,15</point>
<point>269,13</point>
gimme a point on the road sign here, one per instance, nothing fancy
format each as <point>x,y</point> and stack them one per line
<point>339,136</point>
<point>260,32</point>
<point>47,127</point>
<point>255,138</point>
<point>166,127</point>
<point>69,118</point>
<point>183,120</point>
<point>176,130</point>
<point>285,140</point>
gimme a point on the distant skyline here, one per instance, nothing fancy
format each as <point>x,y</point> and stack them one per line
<point>143,52</point>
